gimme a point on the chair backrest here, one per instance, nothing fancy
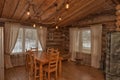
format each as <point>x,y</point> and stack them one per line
<point>50,50</point>
<point>29,60</point>
<point>53,61</point>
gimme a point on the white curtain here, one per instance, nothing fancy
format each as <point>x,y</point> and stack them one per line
<point>42,35</point>
<point>96,45</point>
<point>11,34</point>
<point>74,43</point>
<point>1,54</point>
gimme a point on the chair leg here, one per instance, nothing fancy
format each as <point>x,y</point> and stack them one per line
<point>48,76</point>
<point>56,75</point>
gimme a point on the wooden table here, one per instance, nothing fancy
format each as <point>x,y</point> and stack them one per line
<point>43,59</point>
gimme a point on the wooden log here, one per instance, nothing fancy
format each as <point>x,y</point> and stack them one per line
<point>118,18</point>
<point>118,7</point>
<point>118,12</point>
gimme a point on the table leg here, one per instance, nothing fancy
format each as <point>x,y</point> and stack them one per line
<point>41,72</point>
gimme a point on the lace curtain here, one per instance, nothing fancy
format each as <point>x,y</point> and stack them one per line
<point>1,53</point>
<point>96,45</point>
<point>80,41</point>
<point>74,36</point>
<point>42,36</point>
<point>11,34</point>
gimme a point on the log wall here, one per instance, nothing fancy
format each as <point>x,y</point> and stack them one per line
<point>59,38</point>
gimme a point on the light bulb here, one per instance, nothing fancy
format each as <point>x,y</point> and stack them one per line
<point>60,18</point>
<point>40,27</point>
<point>56,27</point>
<point>67,6</point>
<point>34,25</point>
<point>28,13</point>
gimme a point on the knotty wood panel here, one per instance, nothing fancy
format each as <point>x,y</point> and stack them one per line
<point>20,9</point>
<point>1,6</point>
<point>9,8</point>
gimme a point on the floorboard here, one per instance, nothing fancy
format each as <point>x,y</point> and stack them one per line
<point>71,71</point>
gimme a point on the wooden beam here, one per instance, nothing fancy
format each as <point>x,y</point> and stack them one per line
<point>2,20</point>
<point>97,20</point>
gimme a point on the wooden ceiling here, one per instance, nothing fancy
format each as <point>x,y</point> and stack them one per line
<point>48,11</point>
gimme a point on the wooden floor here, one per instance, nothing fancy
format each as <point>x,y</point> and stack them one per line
<point>71,71</point>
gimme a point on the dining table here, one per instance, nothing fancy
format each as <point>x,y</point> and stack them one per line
<point>43,58</point>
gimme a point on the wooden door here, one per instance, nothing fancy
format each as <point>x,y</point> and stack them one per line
<point>1,54</point>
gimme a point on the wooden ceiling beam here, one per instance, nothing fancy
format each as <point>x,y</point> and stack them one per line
<point>3,20</point>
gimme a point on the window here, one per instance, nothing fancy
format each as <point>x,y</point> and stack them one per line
<point>86,41</point>
<point>83,40</point>
<point>27,38</point>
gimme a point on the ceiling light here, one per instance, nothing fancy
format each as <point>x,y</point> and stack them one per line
<point>56,27</point>
<point>40,27</point>
<point>28,12</point>
<point>67,5</point>
<point>34,25</point>
<point>60,18</point>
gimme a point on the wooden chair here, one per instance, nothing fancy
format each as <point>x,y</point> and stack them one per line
<point>36,69</point>
<point>52,65</point>
<point>30,62</point>
<point>50,50</point>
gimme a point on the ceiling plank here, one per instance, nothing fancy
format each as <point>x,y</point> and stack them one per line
<point>47,10</point>
<point>52,16</point>
<point>90,8</point>
<point>15,8</point>
<point>20,9</point>
<point>25,17</point>
<point>2,2</point>
<point>78,7</point>
<point>9,8</point>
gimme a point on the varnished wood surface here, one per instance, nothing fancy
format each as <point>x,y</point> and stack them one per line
<point>46,10</point>
<point>71,71</point>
